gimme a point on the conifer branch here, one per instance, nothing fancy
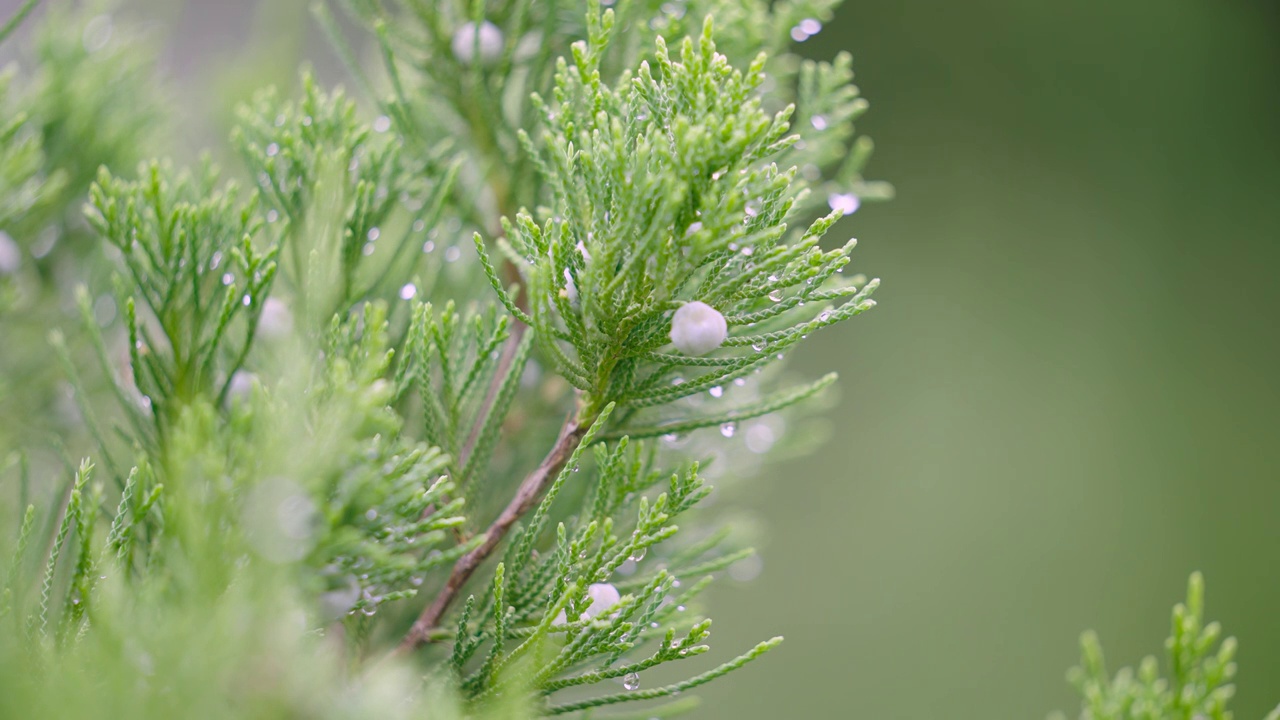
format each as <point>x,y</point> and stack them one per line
<point>575,434</point>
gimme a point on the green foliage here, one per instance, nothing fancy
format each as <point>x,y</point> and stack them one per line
<point>628,244</point>
<point>82,94</point>
<point>193,271</point>
<point>24,187</point>
<point>1199,663</point>
<point>333,461</point>
<point>335,184</point>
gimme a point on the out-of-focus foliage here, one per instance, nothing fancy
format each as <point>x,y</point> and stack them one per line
<point>1199,662</point>
<point>83,95</point>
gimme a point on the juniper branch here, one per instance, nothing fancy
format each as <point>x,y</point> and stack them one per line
<point>575,434</point>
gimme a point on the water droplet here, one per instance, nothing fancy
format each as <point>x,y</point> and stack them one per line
<point>415,581</point>
<point>369,610</point>
<point>776,296</point>
<point>728,429</point>
<point>428,247</point>
<point>272,216</point>
<point>631,681</point>
<point>639,554</point>
<point>273,150</point>
<point>810,26</point>
<point>818,122</point>
<point>739,381</point>
<point>419,225</point>
<point>372,514</point>
<point>382,124</point>
<point>408,291</point>
<point>758,347</point>
<point>681,608</point>
<point>717,391</point>
<point>452,253</point>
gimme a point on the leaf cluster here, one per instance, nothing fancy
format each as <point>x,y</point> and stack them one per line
<point>1199,665</point>
<point>666,191</point>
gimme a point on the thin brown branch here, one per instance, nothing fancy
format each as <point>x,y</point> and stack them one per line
<point>526,497</point>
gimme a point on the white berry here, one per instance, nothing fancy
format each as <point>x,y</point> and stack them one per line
<point>603,596</point>
<point>698,328</point>
<point>10,255</point>
<point>276,320</point>
<point>489,38</point>
<point>846,203</point>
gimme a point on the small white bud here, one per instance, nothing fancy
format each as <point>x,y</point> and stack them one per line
<point>698,328</point>
<point>241,386</point>
<point>603,596</point>
<point>570,287</point>
<point>276,321</point>
<point>846,203</point>
<point>489,38</point>
<point>10,255</point>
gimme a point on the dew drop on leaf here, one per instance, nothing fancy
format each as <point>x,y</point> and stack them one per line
<point>631,681</point>
<point>728,429</point>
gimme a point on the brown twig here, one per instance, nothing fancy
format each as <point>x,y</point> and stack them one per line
<point>526,497</point>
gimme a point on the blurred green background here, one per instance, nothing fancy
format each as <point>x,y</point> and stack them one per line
<point>1067,399</point>
<point>1065,402</point>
